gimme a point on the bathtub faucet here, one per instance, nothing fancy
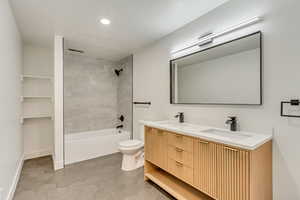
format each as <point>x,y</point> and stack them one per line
<point>120,126</point>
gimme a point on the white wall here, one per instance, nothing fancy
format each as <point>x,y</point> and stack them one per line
<point>11,138</point>
<point>38,133</point>
<point>38,60</point>
<point>281,47</point>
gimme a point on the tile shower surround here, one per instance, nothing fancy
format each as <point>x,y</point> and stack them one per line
<point>94,96</point>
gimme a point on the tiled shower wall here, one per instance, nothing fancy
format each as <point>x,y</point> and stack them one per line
<point>90,94</point>
<point>125,92</point>
<point>94,96</point>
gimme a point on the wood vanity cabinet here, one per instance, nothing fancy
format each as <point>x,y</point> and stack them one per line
<point>217,170</point>
<point>233,173</point>
<point>180,157</point>
<point>156,148</point>
<point>205,167</point>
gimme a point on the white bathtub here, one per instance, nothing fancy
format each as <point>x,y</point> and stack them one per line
<point>92,144</point>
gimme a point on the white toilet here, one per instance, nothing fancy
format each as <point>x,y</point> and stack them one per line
<point>133,153</point>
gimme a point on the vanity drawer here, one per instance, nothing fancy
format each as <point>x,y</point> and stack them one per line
<point>180,170</point>
<point>181,141</point>
<point>180,155</point>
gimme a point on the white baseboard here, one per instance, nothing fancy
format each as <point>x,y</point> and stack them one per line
<point>37,154</point>
<point>14,184</point>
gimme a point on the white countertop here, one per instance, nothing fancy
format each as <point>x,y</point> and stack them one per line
<point>245,140</point>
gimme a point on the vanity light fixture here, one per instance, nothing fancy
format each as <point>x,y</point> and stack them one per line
<point>236,27</point>
<point>210,37</point>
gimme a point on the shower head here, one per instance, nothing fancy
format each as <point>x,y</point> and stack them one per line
<point>118,71</point>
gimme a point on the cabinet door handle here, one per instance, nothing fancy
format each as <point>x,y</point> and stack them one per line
<point>230,149</point>
<point>179,136</point>
<point>179,164</point>
<point>203,142</point>
<point>178,149</point>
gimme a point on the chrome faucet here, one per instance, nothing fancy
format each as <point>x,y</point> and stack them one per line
<point>233,123</point>
<point>180,115</point>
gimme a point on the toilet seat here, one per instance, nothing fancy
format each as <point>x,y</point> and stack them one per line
<point>128,144</point>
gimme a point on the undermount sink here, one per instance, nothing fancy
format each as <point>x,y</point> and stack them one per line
<point>227,134</point>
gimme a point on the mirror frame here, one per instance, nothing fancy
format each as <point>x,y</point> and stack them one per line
<point>215,46</point>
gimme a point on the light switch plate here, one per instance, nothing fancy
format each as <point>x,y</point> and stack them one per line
<point>1,190</point>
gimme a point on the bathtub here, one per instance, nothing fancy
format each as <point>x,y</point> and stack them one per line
<point>92,144</point>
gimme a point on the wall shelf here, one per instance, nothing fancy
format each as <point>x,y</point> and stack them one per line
<point>174,186</point>
<point>36,77</point>
<point>37,116</point>
<point>36,97</point>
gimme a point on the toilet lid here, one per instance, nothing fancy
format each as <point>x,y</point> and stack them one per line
<point>130,143</point>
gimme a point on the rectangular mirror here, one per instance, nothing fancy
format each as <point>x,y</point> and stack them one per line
<point>228,73</point>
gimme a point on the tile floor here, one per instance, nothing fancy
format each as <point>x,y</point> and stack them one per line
<point>97,179</point>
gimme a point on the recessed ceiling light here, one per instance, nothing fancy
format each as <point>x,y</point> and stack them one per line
<point>105,21</point>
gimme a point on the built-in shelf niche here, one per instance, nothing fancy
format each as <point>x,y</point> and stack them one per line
<point>37,80</point>
<point>37,97</point>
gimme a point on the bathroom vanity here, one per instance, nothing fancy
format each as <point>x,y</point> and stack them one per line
<point>197,162</point>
